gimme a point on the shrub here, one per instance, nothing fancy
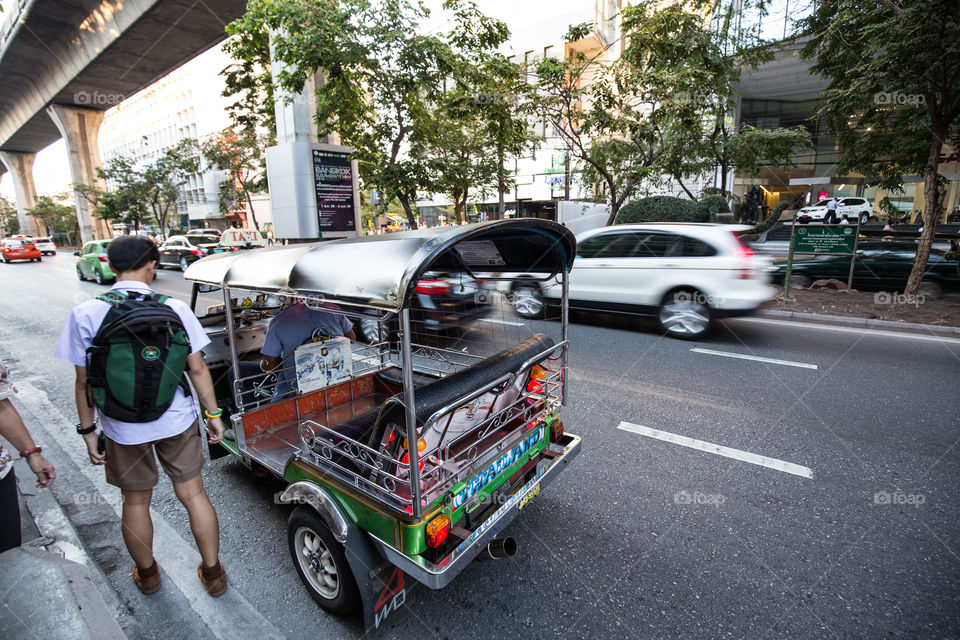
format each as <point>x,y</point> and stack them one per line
<point>662,209</point>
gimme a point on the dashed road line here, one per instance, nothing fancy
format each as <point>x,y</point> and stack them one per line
<point>720,450</point>
<point>743,356</point>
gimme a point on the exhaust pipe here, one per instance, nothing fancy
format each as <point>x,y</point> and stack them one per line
<point>500,548</point>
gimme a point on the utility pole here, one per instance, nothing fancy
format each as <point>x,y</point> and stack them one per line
<point>566,175</point>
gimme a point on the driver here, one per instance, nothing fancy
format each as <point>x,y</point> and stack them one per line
<point>297,325</point>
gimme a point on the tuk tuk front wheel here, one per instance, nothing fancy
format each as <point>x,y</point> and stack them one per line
<point>321,562</point>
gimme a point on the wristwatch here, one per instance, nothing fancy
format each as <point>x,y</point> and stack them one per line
<point>89,429</point>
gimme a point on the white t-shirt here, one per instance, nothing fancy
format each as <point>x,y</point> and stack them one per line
<point>78,334</point>
<point>6,392</point>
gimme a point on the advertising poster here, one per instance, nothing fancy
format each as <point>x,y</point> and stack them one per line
<point>333,177</point>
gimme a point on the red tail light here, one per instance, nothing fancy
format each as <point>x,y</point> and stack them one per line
<point>102,258</point>
<point>432,287</point>
<point>197,252</point>
<point>742,248</point>
<point>437,530</point>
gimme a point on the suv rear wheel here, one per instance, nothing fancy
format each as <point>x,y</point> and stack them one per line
<point>684,314</point>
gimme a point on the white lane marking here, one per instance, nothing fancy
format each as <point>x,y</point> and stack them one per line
<point>512,323</point>
<point>709,447</point>
<point>743,356</point>
<point>228,616</point>
<point>880,333</point>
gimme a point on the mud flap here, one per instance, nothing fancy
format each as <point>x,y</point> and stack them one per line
<point>385,590</point>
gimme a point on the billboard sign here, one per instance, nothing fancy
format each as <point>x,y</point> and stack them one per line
<point>334,181</point>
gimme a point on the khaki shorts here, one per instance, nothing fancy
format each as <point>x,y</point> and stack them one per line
<point>133,467</point>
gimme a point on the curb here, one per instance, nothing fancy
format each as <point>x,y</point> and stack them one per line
<point>860,323</point>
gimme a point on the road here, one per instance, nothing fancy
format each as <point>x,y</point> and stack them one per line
<point>772,479</point>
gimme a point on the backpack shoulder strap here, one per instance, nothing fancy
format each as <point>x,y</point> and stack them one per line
<point>114,297</point>
<point>157,297</point>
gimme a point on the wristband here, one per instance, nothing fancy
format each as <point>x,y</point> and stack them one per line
<point>211,415</point>
<point>29,452</point>
<point>89,429</point>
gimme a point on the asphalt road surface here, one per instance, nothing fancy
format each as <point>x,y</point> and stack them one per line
<point>770,480</point>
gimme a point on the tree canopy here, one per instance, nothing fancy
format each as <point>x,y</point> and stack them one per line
<point>893,99</point>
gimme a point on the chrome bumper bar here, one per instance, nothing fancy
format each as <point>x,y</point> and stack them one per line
<point>437,576</point>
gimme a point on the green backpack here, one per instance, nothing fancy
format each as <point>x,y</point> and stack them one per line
<point>138,357</point>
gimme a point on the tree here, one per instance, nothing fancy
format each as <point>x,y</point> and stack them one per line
<point>481,118</point>
<point>163,178</point>
<point>125,200</point>
<point>241,157</point>
<point>606,115</point>
<point>59,219</point>
<point>894,95</point>
<point>696,63</point>
<point>9,221</point>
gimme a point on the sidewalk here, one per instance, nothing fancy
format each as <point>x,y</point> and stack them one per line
<point>52,588</point>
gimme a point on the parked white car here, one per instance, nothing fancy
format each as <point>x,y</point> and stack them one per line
<point>684,275</point>
<point>853,208</point>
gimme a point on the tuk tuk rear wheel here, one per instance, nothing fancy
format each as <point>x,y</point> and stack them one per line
<point>321,563</point>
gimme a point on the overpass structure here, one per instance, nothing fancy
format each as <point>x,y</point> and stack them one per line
<point>63,64</point>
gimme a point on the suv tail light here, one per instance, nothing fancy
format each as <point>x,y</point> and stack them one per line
<point>745,252</point>
<point>432,287</point>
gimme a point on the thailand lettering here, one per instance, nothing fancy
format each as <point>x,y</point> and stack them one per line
<point>495,468</point>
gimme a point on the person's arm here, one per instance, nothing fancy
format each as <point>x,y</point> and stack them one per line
<point>203,383</point>
<point>13,429</point>
<point>87,416</point>
<point>269,363</point>
<point>352,335</point>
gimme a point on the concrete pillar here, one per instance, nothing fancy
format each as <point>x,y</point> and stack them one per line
<point>20,166</point>
<point>80,129</point>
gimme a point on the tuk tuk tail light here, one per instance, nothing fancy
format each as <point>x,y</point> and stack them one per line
<point>102,258</point>
<point>537,376</point>
<point>556,430</point>
<point>437,530</point>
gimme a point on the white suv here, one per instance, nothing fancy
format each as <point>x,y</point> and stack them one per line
<point>684,275</point>
<point>853,208</point>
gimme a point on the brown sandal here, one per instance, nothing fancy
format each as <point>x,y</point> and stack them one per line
<point>214,579</point>
<point>148,580</point>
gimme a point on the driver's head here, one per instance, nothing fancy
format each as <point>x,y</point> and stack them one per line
<point>131,253</point>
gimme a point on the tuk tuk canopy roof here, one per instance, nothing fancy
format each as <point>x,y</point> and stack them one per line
<point>381,271</point>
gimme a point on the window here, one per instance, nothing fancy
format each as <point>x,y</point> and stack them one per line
<point>89,248</point>
<point>693,248</point>
<point>658,245</point>
<point>608,245</point>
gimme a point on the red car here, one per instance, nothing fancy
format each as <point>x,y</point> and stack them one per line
<point>19,249</point>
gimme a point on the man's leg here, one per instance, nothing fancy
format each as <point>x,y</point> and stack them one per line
<point>137,526</point>
<point>9,513</point>
<point>203,519</point>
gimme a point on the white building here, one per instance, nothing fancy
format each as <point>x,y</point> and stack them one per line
<point>186,103</point>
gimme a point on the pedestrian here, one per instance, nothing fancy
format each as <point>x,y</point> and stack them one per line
<point>270,238</point>
<point>15,432</point>
<point>844,219</point>
<point>888,227</point>
<point>831,216</point>
<point>130,443</point>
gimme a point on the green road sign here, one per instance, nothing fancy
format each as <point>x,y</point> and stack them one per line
<point>825,239</point>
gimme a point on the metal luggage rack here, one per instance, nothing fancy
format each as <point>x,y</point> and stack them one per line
<point>387,478</point>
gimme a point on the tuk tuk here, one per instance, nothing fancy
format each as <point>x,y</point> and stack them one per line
<point>408,451</point>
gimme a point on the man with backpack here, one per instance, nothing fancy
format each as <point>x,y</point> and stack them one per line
<point>132,350</point>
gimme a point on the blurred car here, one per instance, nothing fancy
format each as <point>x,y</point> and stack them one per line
<point>880,266</point>
<point>92,263</point>
<point>46,246</point>
<point>684,275</point>
<point>19,249</point>
<point>443,306</point>
<point>205,232</point>
<point>853,208</point>
<point>182,251</point>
